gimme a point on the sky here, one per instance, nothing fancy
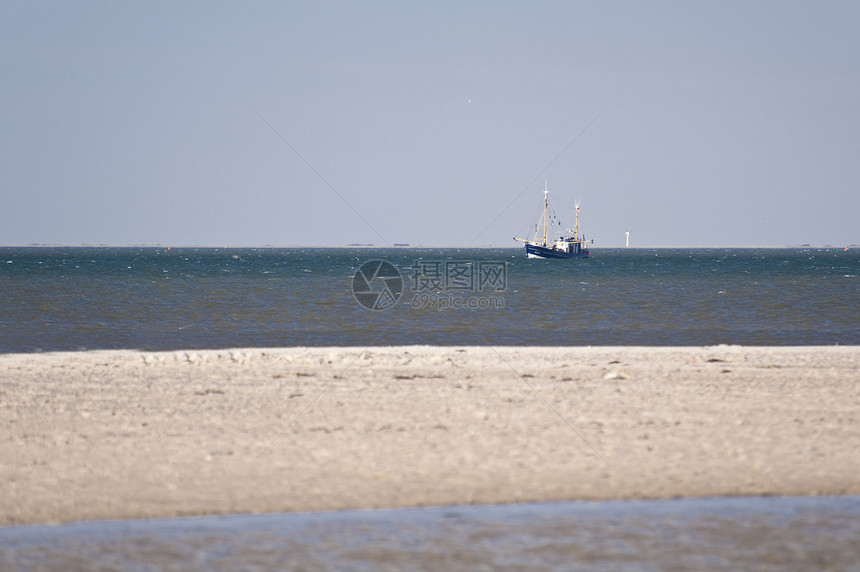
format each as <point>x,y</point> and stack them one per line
<point>732,123</point>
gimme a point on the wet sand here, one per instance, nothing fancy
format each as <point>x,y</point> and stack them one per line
<point>120,435</point>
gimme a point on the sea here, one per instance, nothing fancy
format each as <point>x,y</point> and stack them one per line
<point>159,298</point>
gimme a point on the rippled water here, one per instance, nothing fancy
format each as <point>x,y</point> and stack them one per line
<point>155,298</point>
<point>779,534</point>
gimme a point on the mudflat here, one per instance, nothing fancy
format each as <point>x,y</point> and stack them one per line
<point>128,434</point>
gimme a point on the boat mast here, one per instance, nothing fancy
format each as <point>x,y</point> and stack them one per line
<point>576,225</point>
<point>545,193</point>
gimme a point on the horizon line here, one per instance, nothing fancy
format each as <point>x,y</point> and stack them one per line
<point>394,246</point>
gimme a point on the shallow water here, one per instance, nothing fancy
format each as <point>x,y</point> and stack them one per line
<point>157,299</point>
<point>773,533</point>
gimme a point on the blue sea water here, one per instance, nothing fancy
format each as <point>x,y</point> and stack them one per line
<point>69,298</point>
<point>766,534</point>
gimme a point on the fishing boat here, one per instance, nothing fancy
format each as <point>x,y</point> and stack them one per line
<point>573,245</point>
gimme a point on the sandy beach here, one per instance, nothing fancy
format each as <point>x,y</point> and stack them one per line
<point>126,434</point>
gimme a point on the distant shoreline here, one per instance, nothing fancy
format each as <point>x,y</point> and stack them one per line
<point>420,246</point>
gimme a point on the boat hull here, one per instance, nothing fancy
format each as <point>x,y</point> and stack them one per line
<point>543,252</point>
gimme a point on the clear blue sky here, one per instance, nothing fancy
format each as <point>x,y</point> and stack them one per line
<point>720,123</point>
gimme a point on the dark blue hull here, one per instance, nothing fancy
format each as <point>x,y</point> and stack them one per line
<point>536,251</point>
